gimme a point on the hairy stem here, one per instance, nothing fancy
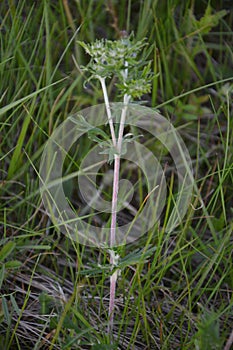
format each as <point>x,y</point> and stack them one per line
<point>122,122</point>
<point>108,110</point>
<point>118,145</point>
<point>113,281</point>
<point>114,200</point>
<point>117,158</point>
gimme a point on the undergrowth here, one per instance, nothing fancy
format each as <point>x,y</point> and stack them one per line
<point>54,295</point>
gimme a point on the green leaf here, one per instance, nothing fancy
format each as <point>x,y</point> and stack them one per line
<point>119,58</point>
<point>95,132</point>
<point>96,271</point>
<point>219,223</point>
<point>2,274</point>
<point>46,303</point>
<point>109,150</point>
<point>13,264</point>
<point>69,324</point>
<point>208,335</point>
<point>6,250</point>
<point>16,158</point>
<point>6,311</point>
<point>104,347</point>
<point>209,21</point>
<point>36,247</point>
<point>138,255</point>
<point>13,104</point>
<point>81,123</point>
<point>14,304</point>
<point>126,139</point>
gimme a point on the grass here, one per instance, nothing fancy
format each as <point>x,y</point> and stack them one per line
<point>55,292</point>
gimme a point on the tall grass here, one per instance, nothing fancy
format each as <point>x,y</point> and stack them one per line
<point>54,295</point>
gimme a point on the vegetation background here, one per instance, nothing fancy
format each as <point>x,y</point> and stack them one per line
<point>53,294</point>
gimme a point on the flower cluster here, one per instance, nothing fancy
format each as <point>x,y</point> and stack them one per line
<point>120,58</point>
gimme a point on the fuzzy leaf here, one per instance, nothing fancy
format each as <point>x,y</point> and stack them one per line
<point>138,255</point>
<point>126,139</point>
<point>119,58</point>
<point>110,150</point>
<point>81,123</point>
<point>96,271</point>
<point>95,132</point>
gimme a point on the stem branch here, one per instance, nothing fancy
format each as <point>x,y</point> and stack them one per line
<point>108,110</point>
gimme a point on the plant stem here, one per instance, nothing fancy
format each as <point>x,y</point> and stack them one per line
<point>113,280</point>
<point>117,157</point>
<point>118,145</point>
<point>122,122</point>
<point>114,201</point>
<point>108,110</point>
<point>113,277</point>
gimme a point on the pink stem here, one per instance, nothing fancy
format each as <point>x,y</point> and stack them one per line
<point>114,201</point>
<point>113,278</point>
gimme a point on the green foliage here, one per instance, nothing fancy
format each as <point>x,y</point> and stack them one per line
<point>120,58</point>
<point>5,252</point>
<point>191,50</point>
<point>110,57</point>
<point>135,257</point>
<point>208,335</point>
<point>104,347</point>
<point>208,21</point>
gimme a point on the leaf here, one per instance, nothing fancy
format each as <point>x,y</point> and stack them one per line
<point>13,104</point>
<point>6,311</point>
<point>2,274</point>
<point>84,46</point>
<point>104,347</point>
<point>110,150</point>
<point>138,255</point>
<point>36,247</point>
<point>13,264</point>
<point>208,334</point>
<point>46,303</point>
<point>209,21</point>
<point>93,135</point>
<point>6,250</point>
<point>219,223</point>
<point>96,271</point>
<point>14,304</point>
<point>93,132</point>
<point>16,159</point>
<point>81,123</point>
<point>126,139</point>
<point>110,57</point>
